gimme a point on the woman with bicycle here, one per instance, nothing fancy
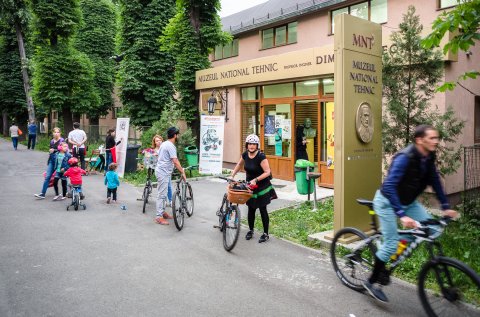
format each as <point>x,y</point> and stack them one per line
<point>411,171</point>
<point>258,173</point>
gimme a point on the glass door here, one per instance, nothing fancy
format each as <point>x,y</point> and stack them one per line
<point>277,138</point>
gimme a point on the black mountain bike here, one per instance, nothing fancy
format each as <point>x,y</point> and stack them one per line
<point>444,284</point>
<point>147,190</point>
<point>182,201</point>
<point>229,219</point>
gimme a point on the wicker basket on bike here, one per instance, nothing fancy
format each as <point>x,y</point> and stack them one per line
<point>238,193</point>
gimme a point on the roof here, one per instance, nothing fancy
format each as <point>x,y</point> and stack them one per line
<point>270,12</point>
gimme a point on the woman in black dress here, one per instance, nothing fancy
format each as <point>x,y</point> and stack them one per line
<point>257,168</point>
<point>110,145</point>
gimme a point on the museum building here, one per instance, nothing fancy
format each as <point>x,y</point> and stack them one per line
<point>275,79</point>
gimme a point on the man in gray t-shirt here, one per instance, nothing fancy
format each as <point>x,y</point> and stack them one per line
<point>167,159</point>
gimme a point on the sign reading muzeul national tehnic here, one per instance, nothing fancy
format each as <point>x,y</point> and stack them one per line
<point>358,115</point>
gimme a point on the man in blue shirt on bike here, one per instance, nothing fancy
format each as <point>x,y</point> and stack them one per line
<point>411,171</point>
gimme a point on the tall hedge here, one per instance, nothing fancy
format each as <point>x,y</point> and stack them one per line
<point>146,73</point>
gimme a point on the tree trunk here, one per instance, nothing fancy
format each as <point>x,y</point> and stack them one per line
<point>5,122</point>
<point>67,120</point>
<point>76,117</point>
<point>26,78</point>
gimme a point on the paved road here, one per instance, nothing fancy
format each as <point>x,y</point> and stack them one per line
<point>106,262</point>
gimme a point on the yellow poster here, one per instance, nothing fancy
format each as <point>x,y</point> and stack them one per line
<point>330,135</point>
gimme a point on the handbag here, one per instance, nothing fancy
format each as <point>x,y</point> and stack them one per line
<point>20,132</point>
<point>52,178</point>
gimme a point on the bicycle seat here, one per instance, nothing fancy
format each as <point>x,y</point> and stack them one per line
<point>365,202</point>
<point>76,186</point>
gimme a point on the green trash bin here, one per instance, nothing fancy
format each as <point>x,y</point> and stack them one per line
<point>191,154</point>
<point>301,177</point>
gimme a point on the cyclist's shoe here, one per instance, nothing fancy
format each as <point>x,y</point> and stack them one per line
<point>82,196</point>
<point>69,195</point>
<point>39,196</point>
<point>166,215</point>
<point>161,221</point>
<point>375,292</point>
<point>62,197</point>
<point>108,200</point>
<point>263,238</point>
<point>249,235</point>
<point>169,204</point>
<point>57,197</point>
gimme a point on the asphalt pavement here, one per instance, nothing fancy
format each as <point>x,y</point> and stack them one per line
<point>105,261</point>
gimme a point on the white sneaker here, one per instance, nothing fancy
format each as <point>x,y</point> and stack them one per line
<point>62,197</point>
<point>39,196</point>
<point>169,204</point>
<point>57,197</point>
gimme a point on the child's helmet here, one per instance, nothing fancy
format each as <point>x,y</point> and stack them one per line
<point>73,161</point>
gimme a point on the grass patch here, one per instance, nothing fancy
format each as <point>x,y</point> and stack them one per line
<point>296,223</point>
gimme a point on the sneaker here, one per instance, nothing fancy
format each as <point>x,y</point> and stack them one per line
<point>249,235</point>
<point>108,200</point>
<point>57,197</point>
<point>161,221</point>
<point>69,195</point>
<point>169,204</point>
<point>263,238</point>
<point>39,196</point>
<point>62,197</point>
<point>166,215</point>
<point>375,292</point>
<point>82,196</point>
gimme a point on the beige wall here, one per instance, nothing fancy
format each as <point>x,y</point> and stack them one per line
<point>313,31</point>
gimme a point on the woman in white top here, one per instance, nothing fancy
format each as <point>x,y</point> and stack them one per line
<point>14,135</point>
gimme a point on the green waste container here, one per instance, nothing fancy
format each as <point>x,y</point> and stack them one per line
<point>191,153</point>
<point>301,177</point>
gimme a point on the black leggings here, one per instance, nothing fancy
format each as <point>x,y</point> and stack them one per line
<point>64,186</point>
<point>111,191</point>
<point>263,213</point>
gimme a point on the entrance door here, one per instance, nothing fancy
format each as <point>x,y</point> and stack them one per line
<point>327,153</point>
<point>277,136</point>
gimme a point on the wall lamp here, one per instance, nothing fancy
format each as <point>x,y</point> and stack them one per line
<point>216,97</point>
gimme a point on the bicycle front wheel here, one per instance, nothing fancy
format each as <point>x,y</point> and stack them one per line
<point>231,227</point>
<point>146,193</point>
<point>352,263</point>
<point>448,287</point>
<point>76,201</point>
<point>178,215</point>
<point>189,200</point>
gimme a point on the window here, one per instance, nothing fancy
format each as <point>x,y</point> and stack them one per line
<point>373,10</point>
<point>278,91</point>
<point>281,35</point>
<point>250,93</point>
<point>227,50</point>
<point>115,111</point>
<point>476,124</point>
<point>307,88</point>
<point>328,86</point>
<point>442,4</point>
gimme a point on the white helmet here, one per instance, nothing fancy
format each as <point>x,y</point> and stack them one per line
<point>253,139</point>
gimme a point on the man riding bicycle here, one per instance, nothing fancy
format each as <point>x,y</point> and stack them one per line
<point>167,159</point>
<point>411,171</point>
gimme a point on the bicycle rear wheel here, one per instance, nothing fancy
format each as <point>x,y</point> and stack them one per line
<point>352,266</point>
<point>146,193</point>
<point>189,200</point>
<point>446,285</point>
<point>177,210</point>
<point>231,227</point>
<point>76,200</point>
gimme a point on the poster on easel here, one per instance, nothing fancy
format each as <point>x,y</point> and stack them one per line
<point>330,135</point>
<point>211,144</point>
<point>121,132</point>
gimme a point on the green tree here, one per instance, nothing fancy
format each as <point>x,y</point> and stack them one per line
<point>146,73</point>
<point>464,22</point>
<point>96,38</point>
<point>12,95</point>
<point>190,36</point>
<point>15,13</point>
<point>410,75</point>
<point>63,76</point>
